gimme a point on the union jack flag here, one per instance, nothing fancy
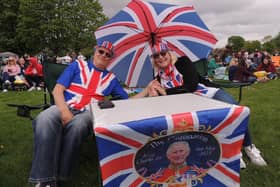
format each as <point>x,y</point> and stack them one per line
<point>90,85</point>
<point>141,25</point>
<point>122,148</point>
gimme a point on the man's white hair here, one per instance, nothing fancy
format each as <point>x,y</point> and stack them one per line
<point>170,147</point>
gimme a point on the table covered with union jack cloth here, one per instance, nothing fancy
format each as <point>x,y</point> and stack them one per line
<point>134,140</point>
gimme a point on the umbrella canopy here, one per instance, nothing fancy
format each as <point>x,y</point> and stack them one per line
<point>140,25</point>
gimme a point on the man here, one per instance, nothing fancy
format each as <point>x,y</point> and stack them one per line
<point>60,130</point>
<point>177,170</point>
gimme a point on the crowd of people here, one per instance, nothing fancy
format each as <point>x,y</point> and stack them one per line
<point>25,72</point>
<point>243,67</point>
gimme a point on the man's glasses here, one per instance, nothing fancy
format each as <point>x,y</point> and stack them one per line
<point>102,52</point>
<point>157,55</point>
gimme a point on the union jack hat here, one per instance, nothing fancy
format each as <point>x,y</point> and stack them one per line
<point>159,47</point>
<point>107,45</point>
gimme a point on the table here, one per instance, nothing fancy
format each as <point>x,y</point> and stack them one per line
<point>133,138</point>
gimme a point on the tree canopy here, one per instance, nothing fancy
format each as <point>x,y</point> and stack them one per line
<point>57,26</point>
<point>236,42</point>
<point>8,22</point>
<point>270,44</point>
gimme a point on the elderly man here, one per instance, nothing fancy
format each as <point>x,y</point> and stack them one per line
<point>177,154</point>
<point>60,130</point>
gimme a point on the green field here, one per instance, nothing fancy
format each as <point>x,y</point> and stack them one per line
<point>16,140</point>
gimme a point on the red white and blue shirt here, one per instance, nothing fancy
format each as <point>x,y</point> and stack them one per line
<point>86,83</point>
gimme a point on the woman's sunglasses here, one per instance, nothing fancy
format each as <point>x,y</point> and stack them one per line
<point>102,52</point>
<point>157,55</point>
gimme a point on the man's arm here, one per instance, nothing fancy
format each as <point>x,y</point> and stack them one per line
<point>66,114</point>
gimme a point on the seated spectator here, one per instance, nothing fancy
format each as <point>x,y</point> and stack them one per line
<point>23,65</point>
<point>34,74</point>
<point>10,71</point>
<point>242,74</point>
<point>233,66</point>
<point>60,130</point>
<point>176,74</point>
<point>213,64</point>
<point>268,67</point>
<point>251,66</point>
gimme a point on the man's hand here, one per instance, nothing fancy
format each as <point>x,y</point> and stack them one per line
<point>66,116</point>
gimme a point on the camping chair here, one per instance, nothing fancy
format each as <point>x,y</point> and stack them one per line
<point>52,70</point>
<point>201,67</point>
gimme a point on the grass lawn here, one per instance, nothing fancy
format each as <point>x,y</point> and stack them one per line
<point>16,139</point>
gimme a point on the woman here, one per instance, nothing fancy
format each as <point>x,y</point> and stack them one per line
<point>242,74</point>
<point>213,65</point>
<point>268,67</point>
<point>10,71</point>
<point>177,75</point>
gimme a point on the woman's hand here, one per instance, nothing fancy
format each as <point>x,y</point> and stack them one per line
<point>155,89</point>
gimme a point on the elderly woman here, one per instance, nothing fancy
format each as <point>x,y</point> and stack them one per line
<point>178,75</point>
<point>10,71</point>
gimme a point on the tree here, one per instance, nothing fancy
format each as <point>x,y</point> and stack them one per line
<point>8,22</point>
<point>236,43</point>
<point>276,41</point>
<point>58,25</point>
<point>252,45</point>
<point>269,47</point>
<point>267,39</point>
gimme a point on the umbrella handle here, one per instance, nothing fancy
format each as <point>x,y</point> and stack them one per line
<point>153,37</point>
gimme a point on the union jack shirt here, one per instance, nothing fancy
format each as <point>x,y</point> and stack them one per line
<point>85,83</point>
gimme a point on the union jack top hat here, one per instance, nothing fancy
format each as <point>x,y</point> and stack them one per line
<point>107,45</point>
<point>159,47</point>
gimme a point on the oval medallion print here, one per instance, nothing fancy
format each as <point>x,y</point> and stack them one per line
<point>177,158</point>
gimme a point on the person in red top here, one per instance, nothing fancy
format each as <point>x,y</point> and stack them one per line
<point>34,73</point>
<point>267,66</point>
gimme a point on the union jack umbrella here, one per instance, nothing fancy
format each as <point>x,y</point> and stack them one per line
<point>140,25</point>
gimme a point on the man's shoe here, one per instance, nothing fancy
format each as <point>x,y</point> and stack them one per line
<point>242,163</point>
<point>5,90</point>
<point>39,88</point>
<point>255,155</point>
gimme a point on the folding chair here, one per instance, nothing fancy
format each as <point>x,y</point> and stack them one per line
<point>201,67</point>
<point>52,70</point>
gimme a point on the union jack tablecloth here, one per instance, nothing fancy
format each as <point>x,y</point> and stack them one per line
<point>133,154</point>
